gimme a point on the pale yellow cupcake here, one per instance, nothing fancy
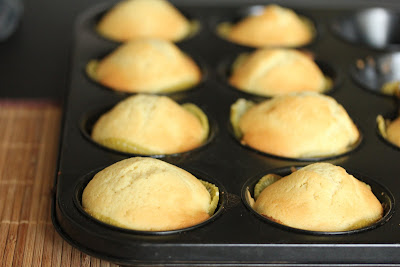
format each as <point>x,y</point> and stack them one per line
<point>320,197</point>
<point>296,125</point>
<point>133,19</point>
<point>390,130</point>
<point>151,125</point>
<point>146,66</point>
<point>149,195</point>
<point>274,26</point>
<point>270,72</point>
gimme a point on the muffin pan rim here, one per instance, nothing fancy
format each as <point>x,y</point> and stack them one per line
<point>307,251</point>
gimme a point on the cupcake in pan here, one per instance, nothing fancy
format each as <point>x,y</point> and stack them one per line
<point>269,72</point>
<point>297,125</point>
<point>318,197</point>
<point>147,194</point>
<point>151,125</point>
<point>133,19</point>
<point>389,129</point>
<point>391,88</point>
<point>273,26</point>
<point>146,66</point>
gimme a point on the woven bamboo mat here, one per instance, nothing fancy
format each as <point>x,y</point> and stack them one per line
<point>29,135</point>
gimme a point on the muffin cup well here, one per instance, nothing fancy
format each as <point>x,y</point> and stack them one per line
<point>89,119</point>
<point>84,180</point>
<point>329,70</point>
<point>371,27</point>
<point>381,192</point>
<point>241,13</point>
<point>372,73</point>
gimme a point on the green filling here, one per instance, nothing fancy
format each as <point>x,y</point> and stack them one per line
<point>391,88</point>
<point>214,193</point>
<point>264,182</point>
<point>194,27</point>
<point>239,61</point>
<point>224,28</point>
<point>91,69</point>
<point>201,116</point>
<point>328,84</point>
<point>240,107</point>
<point>382,125</point>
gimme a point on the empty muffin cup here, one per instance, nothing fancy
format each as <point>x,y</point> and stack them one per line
<point>371,27</point>
<point>378,74</point>
<point>254,186</point>
<point>205,197</point>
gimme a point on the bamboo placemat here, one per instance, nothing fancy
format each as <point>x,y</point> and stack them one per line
<point>29,138</point>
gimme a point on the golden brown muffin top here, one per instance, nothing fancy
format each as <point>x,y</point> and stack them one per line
<point>393,131</point>
<point>320,197</point>
<point>132,19</point>
<point>297,125</point>
<point>275,26</point>
<point>270,72</point>
<point>146,66</point>
<point>149,124</point>
<point>146,194</point>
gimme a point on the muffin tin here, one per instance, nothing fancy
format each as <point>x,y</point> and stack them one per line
<point>235,235</point>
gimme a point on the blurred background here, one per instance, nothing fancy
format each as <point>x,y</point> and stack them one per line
<point>34,60</point>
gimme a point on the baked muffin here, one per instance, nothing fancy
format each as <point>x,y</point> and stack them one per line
<point>390,130</point>
<point>274,26</point>
<point>146,66</point>
<point>133,19</point>
<point>151,125</point>
<point>296,125</point>
<point>270,72</point>
<point>391,88</point>
<point>149,195</point>
<point>320,197</point>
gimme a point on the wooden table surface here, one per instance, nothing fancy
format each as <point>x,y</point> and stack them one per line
<point>29,136</point>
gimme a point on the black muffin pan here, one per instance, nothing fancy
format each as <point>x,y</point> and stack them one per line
<point>348,46</point>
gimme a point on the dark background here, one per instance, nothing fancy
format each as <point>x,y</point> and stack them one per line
<point>34,61</point>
